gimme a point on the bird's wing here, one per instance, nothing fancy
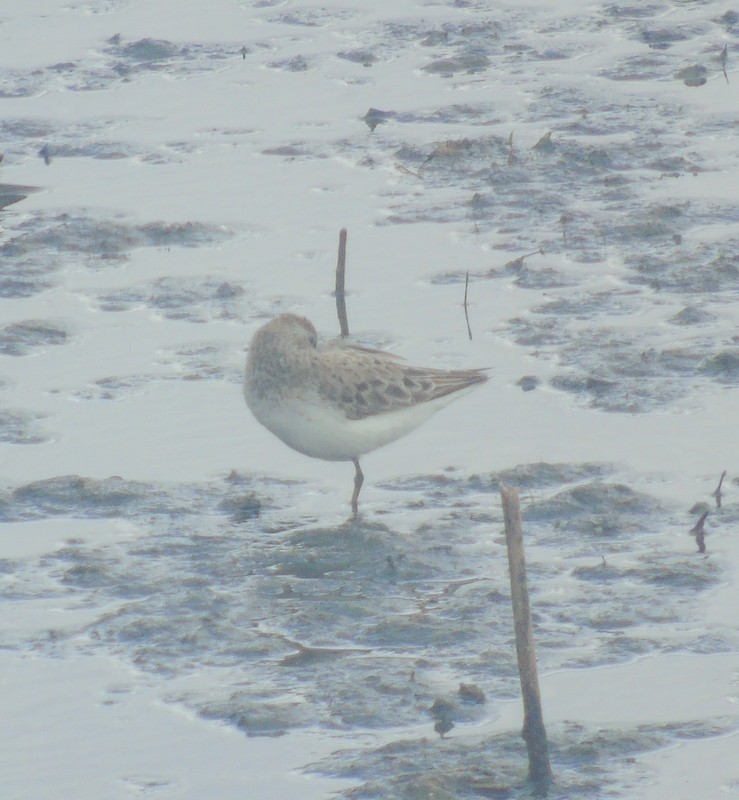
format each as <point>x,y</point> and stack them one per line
<point>363,382</point>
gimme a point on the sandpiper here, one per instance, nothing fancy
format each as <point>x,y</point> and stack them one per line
<point>337,401</point>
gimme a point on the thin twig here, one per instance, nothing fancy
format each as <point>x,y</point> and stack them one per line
<point>466,315</point>
<point>403,168</point>
<point>699,533</point>
<point>516,264</point>
<point>339,293</point>
<point>717,491</point>
<point>511,153</point>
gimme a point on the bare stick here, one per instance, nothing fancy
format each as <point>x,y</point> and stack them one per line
<point>717,491</point>
<point>403,168</point>
<point>517,263</point>
<point>339,293</point>
<point>466,315</point>
<point>534,733</point>
<point>511,153</point>
<point>699,533</point>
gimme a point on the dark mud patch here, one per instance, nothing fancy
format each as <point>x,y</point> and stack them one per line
<point>21,427</point>
<point>193,299</point>
<point>22,338</point>
<point>47,242</point>
<point>369,627</point>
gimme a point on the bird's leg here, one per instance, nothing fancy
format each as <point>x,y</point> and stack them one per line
<point>358,481</point>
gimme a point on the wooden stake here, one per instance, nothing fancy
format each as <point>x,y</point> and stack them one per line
<point>339,293</point>
<point>466,315</point>
<point>511,154</point>
<point>717,491</point>
<point>699,532</point>
<point>534,733</point>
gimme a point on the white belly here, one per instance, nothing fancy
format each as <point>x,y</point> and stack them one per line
<point>324,432</point>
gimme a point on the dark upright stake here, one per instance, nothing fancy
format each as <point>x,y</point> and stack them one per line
<point>358,481</point>
<point>717,491</point>
<point>466,315</point>
<point>339,293</point>
<point>699,532</point>
<point>534,733</point>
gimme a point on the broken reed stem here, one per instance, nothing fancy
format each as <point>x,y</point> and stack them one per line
<point>717,491</point>
<point>511,154</point>
<point>466,315</point>
<point>723,58</point>
<point>534,732</point>
<point>339,293</point>
<point>699,532</point>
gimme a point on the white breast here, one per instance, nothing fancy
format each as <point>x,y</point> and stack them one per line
<point>322,431</point>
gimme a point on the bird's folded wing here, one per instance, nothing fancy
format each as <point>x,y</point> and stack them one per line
<point>366,382</point>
